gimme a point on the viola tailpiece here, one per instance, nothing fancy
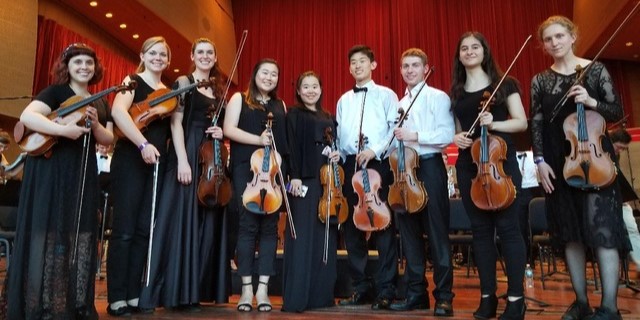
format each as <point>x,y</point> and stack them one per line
<point>333,205</point>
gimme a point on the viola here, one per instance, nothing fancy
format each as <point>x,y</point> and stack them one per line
<point>587,166</point>
<point>406,193</point>
<point>491,189</point>
<point>214,186</point>
<point>371,213</point>
<point>158,105</point>
<point>262,195</point>
<point>333,204</point>
<point>72,110</point>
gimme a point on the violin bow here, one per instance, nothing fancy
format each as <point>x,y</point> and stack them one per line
<point>560,104</point>
<point>283,188</point>
<point>152,225</point>
<point>234,66</point>
<point>82,182</point>
<point>360,134</point>
<point>404,115</point>
<point>485,105</point>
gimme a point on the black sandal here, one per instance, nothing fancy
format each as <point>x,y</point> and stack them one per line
<point>264,306</point>
<point>245,306</point>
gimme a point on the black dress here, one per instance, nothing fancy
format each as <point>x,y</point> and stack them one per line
<point>189,261</point>
<point>592,218</point>
<point>307,282</point>
<point>486,224</point>
<point>42,282</point>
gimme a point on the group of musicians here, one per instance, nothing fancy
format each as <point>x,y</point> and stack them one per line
<point>169,249</point>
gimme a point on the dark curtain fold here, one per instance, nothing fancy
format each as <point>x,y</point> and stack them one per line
<point>53,38</point>
<point>303,35</point>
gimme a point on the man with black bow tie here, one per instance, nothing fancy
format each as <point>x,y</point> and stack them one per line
<point>103,157</point>
<point>373,108</point>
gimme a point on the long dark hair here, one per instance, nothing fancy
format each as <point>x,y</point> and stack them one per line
<point>488,65</point>
<point>301,104</point>
<point>60,70</point>
<point>252,89</point>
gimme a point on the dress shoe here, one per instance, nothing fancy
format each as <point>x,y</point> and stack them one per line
<point>381,303</point>
<point>603,313</point>
<point>140,310</point>
<point>124,311</point>
<point>443,309</point>
<point>411,303</point>
<point>487,308</point>
<point>357,298</point>
<point>577,311</point>
<point>514,311</point>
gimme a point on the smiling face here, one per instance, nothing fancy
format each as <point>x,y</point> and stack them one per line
<point>81,68</point>
<point>309,91</point>
<point>266,78</point>
<point>204,56</point>
<point>557,40</point>
<point>156,59</point>
<point>413,70</point>
<point>360,67</point>
<point>471,52</point>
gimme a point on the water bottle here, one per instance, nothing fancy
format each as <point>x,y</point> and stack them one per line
<point>528,276</point>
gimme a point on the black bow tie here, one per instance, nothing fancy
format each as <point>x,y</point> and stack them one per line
<point>520,156</point>
<point>357,89</point>
<point>104,157</point>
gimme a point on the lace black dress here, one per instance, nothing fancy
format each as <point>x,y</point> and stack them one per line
<point>593,218</point>
<point>42,281</point>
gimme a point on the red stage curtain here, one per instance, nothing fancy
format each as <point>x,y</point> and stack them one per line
<point>304,35</point>
<point>53,38</point>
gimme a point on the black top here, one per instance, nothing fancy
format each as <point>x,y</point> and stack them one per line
<point>305,131</point>
<point>157,132</point>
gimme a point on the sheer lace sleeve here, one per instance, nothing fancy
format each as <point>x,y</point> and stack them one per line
<point>536,115</point>
<point>609,105</point>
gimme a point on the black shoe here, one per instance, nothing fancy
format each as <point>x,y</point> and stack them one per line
<point>603,313</point>
<point>411,303</point>
<point>487,308</point>
<point>514,311</point>
<point>120,312</point>
<point>577,311</point>
<point>141,310</point>
<point>357,298</point>
<point>381,303</point>
<point>443,309</point>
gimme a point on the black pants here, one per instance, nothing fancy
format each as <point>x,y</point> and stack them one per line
<point>356,243</point>
<point>434,219</point>
<point>132,189</point>
<point>254,229</point>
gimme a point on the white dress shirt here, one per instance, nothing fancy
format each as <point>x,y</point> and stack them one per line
<point>380,113</point>
<point>431,117</point>
<point>104,165</point>
<point>528,169</point>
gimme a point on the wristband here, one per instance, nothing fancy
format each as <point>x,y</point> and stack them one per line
<point>538,160</point>
<point>143,145</point>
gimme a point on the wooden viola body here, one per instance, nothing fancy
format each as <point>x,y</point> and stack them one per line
<point>158,105</point>
<point>587,166</point>
<point>371,213</point>
<point>71,110</point>
<point>332,203</point>
<point>214,185</point>
<point>406,193</point>
<point>492,189</point>
<point>262,195</point>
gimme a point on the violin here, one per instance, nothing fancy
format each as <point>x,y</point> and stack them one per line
<point>406,193</point>
<point>9,171</point>
<point>262,195</point>
<point>371,213</point>
<point>72,110</point>
<point>214,186</point>
<point>587,166</point>
<point>158,105</point>
<point>491,189</point>
<point>333,205</point>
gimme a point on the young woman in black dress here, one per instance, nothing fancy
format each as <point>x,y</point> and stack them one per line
<point>308,282</point>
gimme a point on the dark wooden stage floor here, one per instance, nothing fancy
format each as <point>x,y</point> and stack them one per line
<point>558,294</point>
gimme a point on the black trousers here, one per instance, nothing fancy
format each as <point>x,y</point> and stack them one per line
<point>254,229</point>
<point>132,193</point>
<point>356,243</point>
<point>434,220</point>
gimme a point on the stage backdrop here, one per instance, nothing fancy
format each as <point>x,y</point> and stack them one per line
<point>303,35</point>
